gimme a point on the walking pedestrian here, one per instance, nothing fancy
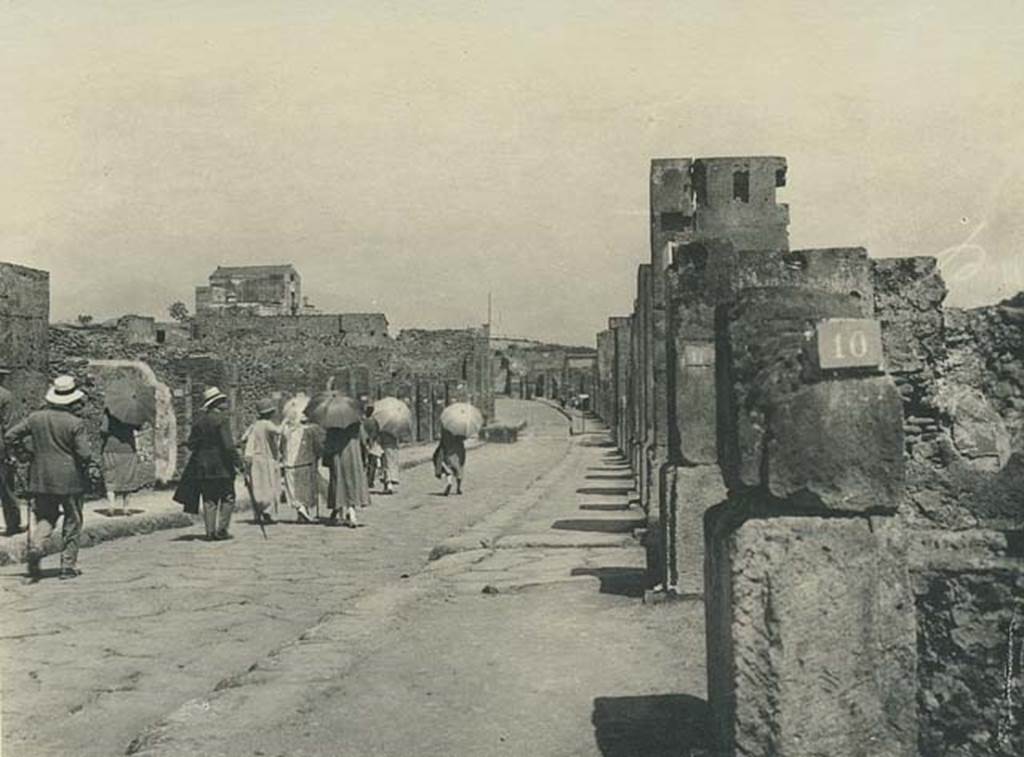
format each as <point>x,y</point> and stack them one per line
<point>391,462</point>
<point>12,510</point>
<point>450,460</point>
<point>262,442</point>
<point>62,467</point>
<point>122,469</point>
<point>347,488</point>
<point>210,473</point>
<point>373,451</point>
<point>302,444</point>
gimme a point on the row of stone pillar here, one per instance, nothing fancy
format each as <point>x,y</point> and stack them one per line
<point>748,391</point>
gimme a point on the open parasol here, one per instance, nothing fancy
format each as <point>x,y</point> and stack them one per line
<point>462,419</point>
<point>393,416</point>
<point>332,409</point>
<point>131,403</point>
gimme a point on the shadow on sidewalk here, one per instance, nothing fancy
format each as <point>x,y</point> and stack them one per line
<point>622,582</point>
<point>609,477</point>
<point>657,725</point>
<point>623,526</point>
<point>609,490</point>
<point>606,508</point>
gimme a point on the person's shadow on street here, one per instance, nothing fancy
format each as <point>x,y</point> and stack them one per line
<point>657,725</point>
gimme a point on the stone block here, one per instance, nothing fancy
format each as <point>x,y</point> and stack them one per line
<point>500,433</point>
<point>689,492</point>
<point>695,406</point>
<point>811,639</point>
<point>836,445</point>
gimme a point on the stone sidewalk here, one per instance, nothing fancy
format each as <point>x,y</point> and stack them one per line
<point>159,511</point>
<point>526,635</point>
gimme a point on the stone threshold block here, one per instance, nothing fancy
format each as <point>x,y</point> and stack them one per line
<point>811,638</point>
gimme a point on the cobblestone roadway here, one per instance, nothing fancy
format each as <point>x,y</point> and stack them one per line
<point>159,619</point>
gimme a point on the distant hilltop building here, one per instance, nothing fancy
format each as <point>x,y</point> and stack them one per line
<point>255,289</point>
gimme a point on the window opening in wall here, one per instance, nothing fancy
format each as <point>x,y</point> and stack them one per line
<point>675,222</point>
<point>700,185</point>
<point>780,177</point>
<point>161,336</point>
<point>741,186</point>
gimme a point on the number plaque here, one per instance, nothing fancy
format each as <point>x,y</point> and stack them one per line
<point>848,343</point>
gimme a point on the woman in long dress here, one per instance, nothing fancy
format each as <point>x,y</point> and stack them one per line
<point>450,460</point>
<point>122,469</point>
<point>302,445</point>
<point>262,442</point>
<point>347,488</point>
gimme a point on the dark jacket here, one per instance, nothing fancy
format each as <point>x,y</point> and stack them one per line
<point>5,418</point>
<point>214,454</point>
<point>60,451</point>
<point>450,454</point>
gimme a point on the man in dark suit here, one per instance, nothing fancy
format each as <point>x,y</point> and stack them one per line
<point>12,511</point>
<point>210,473</point>
<point>59,475</point>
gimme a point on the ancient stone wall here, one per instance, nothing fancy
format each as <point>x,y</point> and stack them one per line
<point>24,316</point>
<point>256,357</point>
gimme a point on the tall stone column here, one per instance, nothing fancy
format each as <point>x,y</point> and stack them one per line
<point>700,279</point>
<point>620,326</point>
<point>24,333</point>
<point>810,627</point>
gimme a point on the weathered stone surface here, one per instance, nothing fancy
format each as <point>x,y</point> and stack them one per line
<point>971,663</point>
<point>837,445</point>
<point>811,639</point>
<point>908,295</point>
<point>959,496</point>
<point>690,491</point>
<point>979,433</point>
<point>695,405</point>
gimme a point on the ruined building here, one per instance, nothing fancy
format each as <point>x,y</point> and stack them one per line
<point>256,289</point>
<point>833,463</point>
<point>526,368</point>
<point>251,353</point>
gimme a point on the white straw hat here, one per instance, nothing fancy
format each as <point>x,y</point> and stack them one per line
<point>211,395</point>
<point>64,391</point>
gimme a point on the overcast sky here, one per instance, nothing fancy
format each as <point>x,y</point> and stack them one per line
<point>410,157</point>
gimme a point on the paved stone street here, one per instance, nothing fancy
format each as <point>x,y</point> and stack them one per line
<point>157,620</point>
<point>328,641</point>
<point>535,644</point>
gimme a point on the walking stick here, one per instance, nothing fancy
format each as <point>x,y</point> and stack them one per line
<point>255,508</point>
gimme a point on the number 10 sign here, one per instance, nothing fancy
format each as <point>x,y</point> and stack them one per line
<point>848,343</point>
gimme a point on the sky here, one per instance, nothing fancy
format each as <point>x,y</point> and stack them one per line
<point>412,157</point>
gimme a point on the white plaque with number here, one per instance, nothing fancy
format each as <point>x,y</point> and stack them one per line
<point>848,343</point>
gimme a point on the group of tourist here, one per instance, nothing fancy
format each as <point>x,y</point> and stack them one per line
<point>276,460</point>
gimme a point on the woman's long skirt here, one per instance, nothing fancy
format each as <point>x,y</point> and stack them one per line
<point>123,472</point>
<point>348,486</point>
<point>391,459</point>
<point>303,488</point>
<point>266,481</point>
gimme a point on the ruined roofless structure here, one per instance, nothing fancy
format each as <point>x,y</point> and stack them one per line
<point>258,289</point>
